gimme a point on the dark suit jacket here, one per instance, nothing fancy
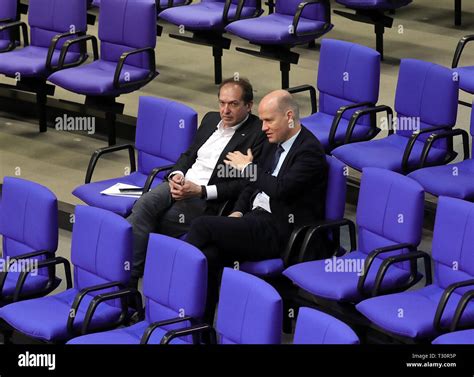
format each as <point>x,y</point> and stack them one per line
<point>249,135</point>
<point>297,194</point>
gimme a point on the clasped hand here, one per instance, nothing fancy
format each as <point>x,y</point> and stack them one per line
<point>181,189</point>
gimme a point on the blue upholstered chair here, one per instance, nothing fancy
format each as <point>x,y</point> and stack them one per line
<point>445,301</point>
<point>465,73</point>
<point>426,102</point>
<point>294,22</point>
<point>373,12</point>
<point>249,312</point>
<point>126,62</point>
<point>101,253</point>
<point>315,327</point>
<point>335,205</point>
<point>8,14</point>
<point>456,337</point>
<point>29,226</point>
<point>165,129</point>
<point>207,21</point>
<point>453,180</point>
<point>52,23</point>
<point>348,80</point>
<point>174,287</point>
<point>389,220</point>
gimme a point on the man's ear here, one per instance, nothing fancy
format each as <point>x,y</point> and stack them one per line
<point>249,106</point>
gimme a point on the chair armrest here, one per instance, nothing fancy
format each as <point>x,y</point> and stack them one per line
<point>121,62</point>
<point>238,12</point>
<point>69,43</point>
<point>460,47</point>
<point>50,263</point>
<point>462,304</point>
<point>411,143</point>
<point>193,330</point>
<point>153,326</point>
<point>171,3</point>
<point>312,92</point>
<point>412,257</point>
<point>443,301</point>
<point>324,227</point>
<point>291,246</point>
<point>373,111</point>
<point>299,12</point>
<point>52,48</point>
<point>335,123</point>
<point>106,150</point>
<point>445,135</point>
<point>12,45</point>
<point>78,299</point>
<point>374,254</point>
<point>3,275</point>
<point>100,298</point>
<point>18,24</point>
<point>152,176</point>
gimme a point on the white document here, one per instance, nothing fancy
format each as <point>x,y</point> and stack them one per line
<point>115,191</point>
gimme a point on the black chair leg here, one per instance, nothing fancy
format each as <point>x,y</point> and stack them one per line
<point>457,12</point>
<point>285,74</point>
<point>217,52</point>
<point>110,119</point>
<point>41,100</point>
<point>379,32</point>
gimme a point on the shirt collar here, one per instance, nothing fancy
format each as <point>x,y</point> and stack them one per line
<point>287,144</point>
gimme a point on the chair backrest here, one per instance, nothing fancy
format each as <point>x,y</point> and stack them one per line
<point>427,96</point>
<point>249,311</point>
<point>28,217</point>
<point>8,11</point>
<point>175,280</point>
<point>101,247</point>
<point>348,73</point>
<point>315,327</point>
<point>389,211</point>
<point>126,25</point>
<point>336,189</point>
<point>471,130</point>
<point>47,18</point>
<point>165,129</point>
<point>319,12</point>
<point>453,242</point>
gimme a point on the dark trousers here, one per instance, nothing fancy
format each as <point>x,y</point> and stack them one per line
<point>156,211</point>
<point>226,241</point>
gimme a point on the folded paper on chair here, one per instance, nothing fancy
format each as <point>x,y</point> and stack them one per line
<point>115,190</point>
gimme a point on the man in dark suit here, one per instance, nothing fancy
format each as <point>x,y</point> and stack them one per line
<point>200,181</point>
<point>289,190</point>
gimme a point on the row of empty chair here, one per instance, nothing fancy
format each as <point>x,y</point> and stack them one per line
<point>389,220</point>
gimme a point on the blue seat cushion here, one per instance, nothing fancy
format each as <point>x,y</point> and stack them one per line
<point>466,78</point>
<point>30,61</point>
<point>46,318</point>
<point>33,283</point>
<point>90,193</point>
<point>457,337</point>
<point>266,268</point>
<point>411,313</point>
<point>386,153</point>
<point>320,125</point>
<point>374,4</point>
<point>97,78</point>
<point>202,16</point>
<point>125,335</point>
<point>455,180</point>
<point>275,29</point>
<point>324,278</point>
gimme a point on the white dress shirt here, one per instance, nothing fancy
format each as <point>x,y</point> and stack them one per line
<point>207,157</point>
<point>262,200</point>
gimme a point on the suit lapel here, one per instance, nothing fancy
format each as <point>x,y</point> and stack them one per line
<point>294,147</point>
